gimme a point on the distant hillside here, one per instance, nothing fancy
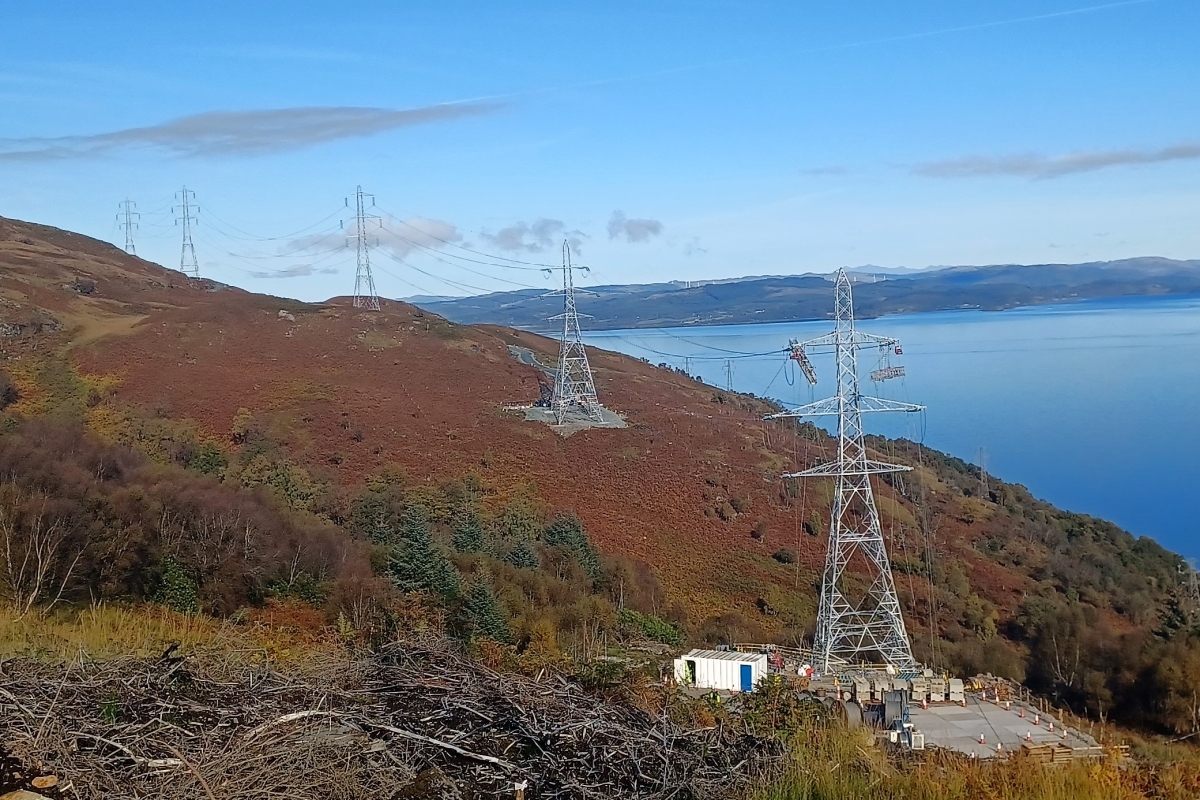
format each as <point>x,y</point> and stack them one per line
<point>805,297</point>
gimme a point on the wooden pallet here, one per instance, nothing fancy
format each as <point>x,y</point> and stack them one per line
<point>1060,753</point>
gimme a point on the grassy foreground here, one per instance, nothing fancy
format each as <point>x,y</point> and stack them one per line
<point>280,633</point>
<point>839,764</point>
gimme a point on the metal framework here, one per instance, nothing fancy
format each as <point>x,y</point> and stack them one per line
<point>128,223</point>
<point>188,264</point>
<point>853,626</point>
<point>574,387</point>
<point>364,282</point>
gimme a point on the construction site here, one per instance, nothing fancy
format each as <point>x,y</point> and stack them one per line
<point>861,663</point>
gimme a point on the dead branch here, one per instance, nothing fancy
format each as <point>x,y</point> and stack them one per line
<point>216,726</point>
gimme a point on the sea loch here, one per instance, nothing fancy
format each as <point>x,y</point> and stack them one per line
<point>1094,406</point>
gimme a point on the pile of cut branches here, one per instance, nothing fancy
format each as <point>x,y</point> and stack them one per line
<point>376,727</point>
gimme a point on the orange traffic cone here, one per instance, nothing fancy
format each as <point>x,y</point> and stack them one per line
<point>981,740</point>
<point>1022,712</point>
<point>1028,736</point>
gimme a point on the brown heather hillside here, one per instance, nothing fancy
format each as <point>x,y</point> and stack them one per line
<point>692,487</point>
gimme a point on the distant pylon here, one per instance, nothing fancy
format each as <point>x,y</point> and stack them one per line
<point>864,625</point>
<point>574,387</point>
<point>188,264</point>
<point>728,375</point>
<point>364,281</point>
<point>128,223</point>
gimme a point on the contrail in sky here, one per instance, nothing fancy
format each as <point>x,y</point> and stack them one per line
<point>866,42</point>
<point>981,25</point>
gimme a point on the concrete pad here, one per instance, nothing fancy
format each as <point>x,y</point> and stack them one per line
<point>956,728</point>
<point>575,422</point>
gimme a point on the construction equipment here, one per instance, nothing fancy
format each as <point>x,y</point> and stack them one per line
<point>798,355</point>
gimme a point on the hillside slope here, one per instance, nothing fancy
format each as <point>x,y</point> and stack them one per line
<point>691,488</point>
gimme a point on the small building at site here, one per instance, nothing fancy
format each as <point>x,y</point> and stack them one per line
<point>722,670</point>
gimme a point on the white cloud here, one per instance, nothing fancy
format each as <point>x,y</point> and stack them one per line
<point>633,230</point>
<point>240,133</point>
<point>537,237</point>
<point>1032,165</point>
<point>295,271</point>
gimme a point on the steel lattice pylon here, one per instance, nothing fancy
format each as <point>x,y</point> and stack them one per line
<point>574,387</point>
<point>129,224</point>
<point>364,282</point>
<point>867,627</point>
<point>188,264</point>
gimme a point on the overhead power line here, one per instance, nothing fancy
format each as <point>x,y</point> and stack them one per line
<point>256,237</point>
<point>434,255</point>
<point>513,263</point>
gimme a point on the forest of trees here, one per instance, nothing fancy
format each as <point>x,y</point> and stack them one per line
<point>82,521</point>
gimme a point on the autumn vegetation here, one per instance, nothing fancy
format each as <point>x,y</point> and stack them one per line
<point>197,467</point>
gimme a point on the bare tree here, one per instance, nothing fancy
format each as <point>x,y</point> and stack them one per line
<point>38,563</point>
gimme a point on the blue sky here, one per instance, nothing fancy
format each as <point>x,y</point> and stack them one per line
<point>670,140</point>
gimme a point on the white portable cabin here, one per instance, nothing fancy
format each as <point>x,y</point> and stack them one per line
<point>721,670</point>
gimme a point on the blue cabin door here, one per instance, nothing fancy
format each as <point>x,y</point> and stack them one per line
<point>747,678</point>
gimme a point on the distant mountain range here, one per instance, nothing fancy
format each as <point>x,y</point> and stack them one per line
<point>877,291</point>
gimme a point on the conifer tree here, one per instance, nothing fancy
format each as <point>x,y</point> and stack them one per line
<point>523,556</point>
<point>374,519</point>
<point>468,533</point>
<point>484,615</point>
<point>416,564</point>
<point>567,532</point>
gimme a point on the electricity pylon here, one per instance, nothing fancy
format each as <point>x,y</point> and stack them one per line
<point>127,222</point>
<point>188,264</point>
<point>728,375</point>
<point>574,387</point>
<point>865,625</point>
<point>364,281</point>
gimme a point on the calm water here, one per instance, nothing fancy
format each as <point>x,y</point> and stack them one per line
<point>1094,406</point>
